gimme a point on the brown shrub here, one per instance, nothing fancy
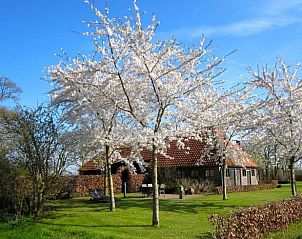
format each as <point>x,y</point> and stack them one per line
<point>247,188</point>
<point>255,221</point>
<point>196,185</point>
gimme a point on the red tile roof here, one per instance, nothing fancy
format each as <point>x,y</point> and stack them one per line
<point>90,164</point>
<point>95,163</point>
<point>191,155</point>
<point>178,157</point>
<point>243,160</point>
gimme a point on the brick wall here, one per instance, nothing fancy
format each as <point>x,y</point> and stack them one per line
<point>135,182</point>
<point>81,185</point>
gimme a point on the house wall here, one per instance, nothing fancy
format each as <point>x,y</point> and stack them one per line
<point>240,176</point>
<point>216,179</point>
<point>211,174</point>
<point>236,176</point>
<point>228,182</point>
<point>255,178</point>
<point>245,180</point>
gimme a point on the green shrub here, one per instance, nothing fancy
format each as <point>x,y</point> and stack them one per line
<point>171,186</point>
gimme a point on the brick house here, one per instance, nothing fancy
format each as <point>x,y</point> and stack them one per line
<point>192,163</point>
<point>189,162</point>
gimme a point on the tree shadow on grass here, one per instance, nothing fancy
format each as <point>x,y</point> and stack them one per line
<point>176,206</point>
<point>143,203</point>
<point>96,226</point>
<point>137,196</point>
<point>75,203</point>
<point>206,235</point>
<point>195,207</point>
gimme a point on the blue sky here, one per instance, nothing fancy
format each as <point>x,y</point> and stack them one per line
<point>32,31</point>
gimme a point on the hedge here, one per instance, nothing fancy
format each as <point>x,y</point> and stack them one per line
<point>257,220</point>
<point>247,188</point>
<point>81,185</point>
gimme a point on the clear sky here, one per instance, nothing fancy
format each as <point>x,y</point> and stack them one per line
<point>32,31</point>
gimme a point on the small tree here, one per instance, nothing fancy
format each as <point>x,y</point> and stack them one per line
<point>266,152</point>
<point>279,114</point>
<point>8,89</point>
<point>37,149</point>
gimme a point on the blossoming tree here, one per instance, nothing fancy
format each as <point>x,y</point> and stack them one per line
<point>280,93</point>
<point>224,117</point>
<point>82,95</point>
<point>151,86</point>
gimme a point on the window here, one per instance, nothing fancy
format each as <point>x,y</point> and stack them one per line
<point>244,173</point>
<point>194,173</point>
<point>210,173</point>
<point>228,172</point>
<point>180,173</point>
<point>253,172</point>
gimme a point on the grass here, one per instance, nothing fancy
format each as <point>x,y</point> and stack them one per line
<point>79,218</point>
<point>294,231</point>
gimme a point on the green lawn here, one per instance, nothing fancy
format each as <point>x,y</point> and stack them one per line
<point>79,218</point>
<point>293,232</point>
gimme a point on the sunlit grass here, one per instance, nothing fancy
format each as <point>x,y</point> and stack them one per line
<point>80,218</point>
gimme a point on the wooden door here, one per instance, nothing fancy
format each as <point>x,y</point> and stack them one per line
<point>249,177</point>
<point>238,177</point>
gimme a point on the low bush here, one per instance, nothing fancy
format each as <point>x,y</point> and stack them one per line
<point>283,181</point>
<point>198,185</point>
<point>15,191</point>
<point>298,175</point>
<point>63,188</point>
<point>255,221</point>
<point>247,188</point>
<point>171,186</point>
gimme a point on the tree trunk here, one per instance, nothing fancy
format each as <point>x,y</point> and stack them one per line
<point>40,203</point>
<point>293,177</point>
<point>111,190</point>
<point>37,200</point>
<point>267,172</point>
<point>106,180</point>
<point>110,181</point>
<point>155,218</point>
<point>223,177</point>
<point>34,197</point>
<point>276,171</point>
